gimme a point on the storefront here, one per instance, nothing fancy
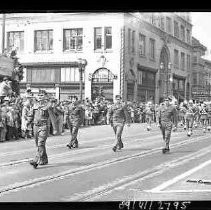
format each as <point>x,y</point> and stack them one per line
<point>102,84</point>
<point>178,87</point>
<point>146,80</point>
<point>59,79</point>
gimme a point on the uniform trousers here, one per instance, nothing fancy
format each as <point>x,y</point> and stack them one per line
<point>41,134</point>
<point>166,128</point>
<point>189,122</point>
<point>118,128</point>
<point>74,133</point>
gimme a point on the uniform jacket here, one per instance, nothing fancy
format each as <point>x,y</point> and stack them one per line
<point>75,114</point>
<point>167,114</point>
<point>118,113</point>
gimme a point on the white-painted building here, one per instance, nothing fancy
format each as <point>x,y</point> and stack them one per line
<point>123,53</point>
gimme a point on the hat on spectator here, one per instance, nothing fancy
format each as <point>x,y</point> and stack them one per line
<point>118,97</point>
<point>6,99</point>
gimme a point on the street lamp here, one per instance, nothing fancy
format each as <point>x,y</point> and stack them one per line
<point>81,65</point>
<point>170,78</point>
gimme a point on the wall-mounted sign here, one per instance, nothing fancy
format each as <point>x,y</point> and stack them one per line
<point>6,66</point>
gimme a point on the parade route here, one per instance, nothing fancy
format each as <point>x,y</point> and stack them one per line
<point>93,172</point>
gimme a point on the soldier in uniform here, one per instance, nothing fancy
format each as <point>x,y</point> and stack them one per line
<point>167,115</point>
<point>190,116</point>
<point>40,118</point>
<point>149,111</point>
<point>118,116</point>
<point>76,118</point>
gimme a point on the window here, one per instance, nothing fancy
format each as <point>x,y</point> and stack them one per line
<point>15,39</point>
<point>100,41</point>
<point>168,24</point>
<point>73,39</point>
<point>188,62</point>
<point>133,41</point>
<point>129,39</point>
<point>194,78</point>
<point>181,84</point>
<point>139,79</point>
<point>176,58</point>
<point>44,75</point>
<point>182,29</point>
<point>152,19</point>
<point>188,35</point>
<point>182,61</point>
<point>108,38</point>
<point>175,84</point>
<point>162,24</point>
<point>142,45</point>
<point>44,40</point>
<point>98,38</point>
<point>176,29</point>
<point>70,74</point>
<point>152,48</point>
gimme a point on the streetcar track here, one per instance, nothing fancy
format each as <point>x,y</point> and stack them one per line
<point>120,184</point>
<point>62,145</point>
<point>15,162</point>
<point>84,169</point>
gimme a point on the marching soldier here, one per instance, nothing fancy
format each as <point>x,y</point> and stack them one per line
<point>203,116</point>
<point>167,115</point>
<point>76,118</point>
<point>149,111</point>
<point>40,118</point>
<point>118,116</point>
<point>190,116</point>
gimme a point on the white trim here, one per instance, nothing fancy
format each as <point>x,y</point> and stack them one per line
<point>181,176</point>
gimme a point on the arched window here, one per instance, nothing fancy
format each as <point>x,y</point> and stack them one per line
<point>102,75</point>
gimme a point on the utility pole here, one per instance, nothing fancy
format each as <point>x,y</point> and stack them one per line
<point>3,32</point>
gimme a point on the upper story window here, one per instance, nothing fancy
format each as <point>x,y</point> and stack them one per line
<point>133,42</point>
<point>152,48</point>
<point>43,40</point>
<point>182,61</point>
<point>188,35</point>
<point>188,62</point>
<point>142,45</point>
<point>168,25</point>
<point>129,39</point>
<point>108,37</point>
<point>162,24</point>
<point>73,39</point>
<point>153,19</point>
<point>176,58</point>
<point>182,30</point>
<point>176,29</point>
<point>101,41</point>
<point>15,39</point>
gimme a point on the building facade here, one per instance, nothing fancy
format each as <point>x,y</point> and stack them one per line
<point>141,56</point>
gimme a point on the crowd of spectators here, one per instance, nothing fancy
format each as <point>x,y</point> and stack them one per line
<point>16,115</point>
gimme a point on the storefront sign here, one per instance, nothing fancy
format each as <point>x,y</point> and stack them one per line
<point>6,66</point>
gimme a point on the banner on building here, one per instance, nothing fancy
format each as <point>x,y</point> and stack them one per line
<point>6,66</point>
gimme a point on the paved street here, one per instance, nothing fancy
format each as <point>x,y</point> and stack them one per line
<point>93,172</point>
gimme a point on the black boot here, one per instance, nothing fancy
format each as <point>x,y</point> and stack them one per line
<point>114,148</point>
<point>33,163</point>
